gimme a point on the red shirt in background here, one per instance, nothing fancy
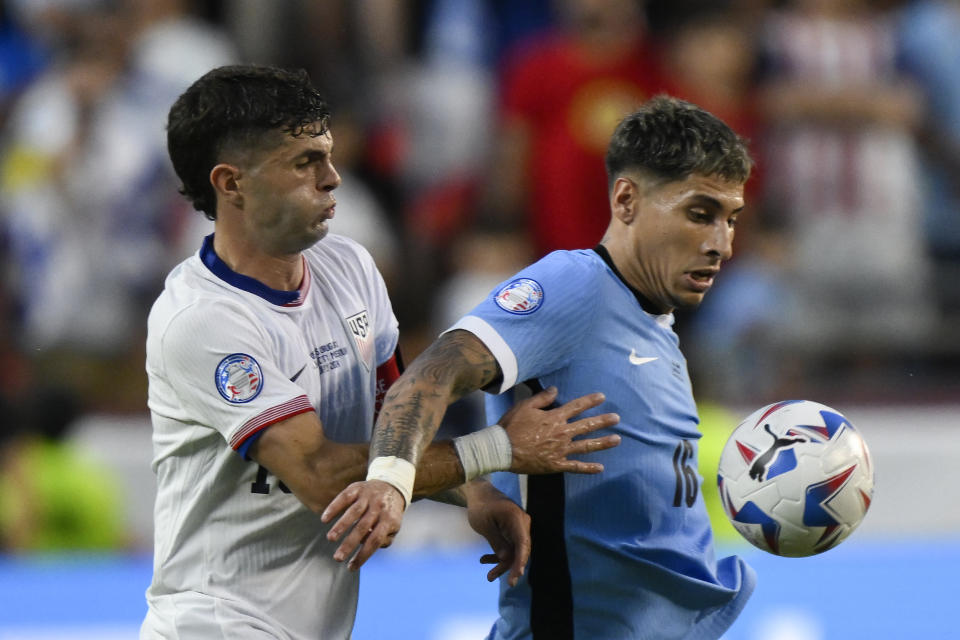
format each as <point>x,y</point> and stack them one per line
<point>570,106</point>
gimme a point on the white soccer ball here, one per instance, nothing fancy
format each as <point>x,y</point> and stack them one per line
<point>795,478</point>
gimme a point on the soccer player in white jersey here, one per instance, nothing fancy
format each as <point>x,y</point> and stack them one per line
<point>627,553</point>
<point>267,352</point>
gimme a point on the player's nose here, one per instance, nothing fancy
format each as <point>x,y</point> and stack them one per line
<point>329,180</point>
<point>719,242</point>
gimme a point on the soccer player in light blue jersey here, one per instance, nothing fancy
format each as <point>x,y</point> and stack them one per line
<point>627,553</point>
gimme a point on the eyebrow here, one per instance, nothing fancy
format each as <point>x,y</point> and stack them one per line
<point>314,154</point>
<point>712,202</point>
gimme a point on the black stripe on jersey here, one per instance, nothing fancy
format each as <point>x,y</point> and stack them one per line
<point>551,590</point>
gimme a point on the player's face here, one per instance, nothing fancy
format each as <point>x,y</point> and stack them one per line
<point>681,233</point>
<point>288,193</point>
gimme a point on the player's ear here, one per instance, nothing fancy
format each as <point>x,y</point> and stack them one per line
<point>224,178</point>
<point>624,199</point>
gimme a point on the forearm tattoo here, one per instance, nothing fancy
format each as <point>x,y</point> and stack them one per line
<point>453,366</point>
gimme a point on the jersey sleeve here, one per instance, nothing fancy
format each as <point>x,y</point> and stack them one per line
<point>534,322</point>
<point>224,371</point>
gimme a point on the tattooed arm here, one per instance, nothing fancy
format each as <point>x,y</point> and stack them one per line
<point>456,364</point>
<point>453,366</point>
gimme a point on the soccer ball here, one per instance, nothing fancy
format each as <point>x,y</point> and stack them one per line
<point>795,478</point>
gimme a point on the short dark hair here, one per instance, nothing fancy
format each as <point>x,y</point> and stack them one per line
<point>235,106</point>
<point>669,139</point>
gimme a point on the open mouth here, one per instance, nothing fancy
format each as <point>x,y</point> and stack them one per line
<point>701,279</point>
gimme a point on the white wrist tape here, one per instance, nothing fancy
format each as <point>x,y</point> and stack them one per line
<point>395,471</point>
<point>484,451</point>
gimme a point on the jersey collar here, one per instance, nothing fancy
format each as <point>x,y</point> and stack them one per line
<point>645,303</point>
<point>278,297</point>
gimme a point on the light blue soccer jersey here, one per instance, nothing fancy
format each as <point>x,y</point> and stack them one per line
<point>627,553</point>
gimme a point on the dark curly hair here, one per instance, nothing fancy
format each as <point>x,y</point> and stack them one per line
<point>669,139</point>
<point>234,107</point>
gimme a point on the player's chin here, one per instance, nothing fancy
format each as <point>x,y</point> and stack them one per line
<point>687,300</point>
<point>318,232</point>
<point>304,239</point>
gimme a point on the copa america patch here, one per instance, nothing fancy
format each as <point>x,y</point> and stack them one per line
<point>520,296</point>
<point>239,378</point>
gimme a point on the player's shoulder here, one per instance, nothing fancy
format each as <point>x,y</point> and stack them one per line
<point>570,266</point>
<point>335,244</point>
<point>561,280</point>
<point>192,297</point>
<point>339,250</point>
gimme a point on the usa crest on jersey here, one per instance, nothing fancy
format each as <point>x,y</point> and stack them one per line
<point>359,326</point>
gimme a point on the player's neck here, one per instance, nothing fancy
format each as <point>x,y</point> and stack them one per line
<point>633,277</point>
<point>280,272</point>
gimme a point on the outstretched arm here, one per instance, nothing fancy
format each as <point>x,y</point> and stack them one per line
<point>453,366</point>
<point>456,364</point>
<point>316,469</point>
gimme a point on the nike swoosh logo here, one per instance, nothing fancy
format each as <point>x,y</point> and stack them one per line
<point>297,374</point>
<point>635,359</point>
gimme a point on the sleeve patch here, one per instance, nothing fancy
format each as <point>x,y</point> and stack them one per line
<point>239,378</point>
<point>521,297</point>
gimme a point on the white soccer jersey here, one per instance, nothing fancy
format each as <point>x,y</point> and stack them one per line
<point>236,555</point>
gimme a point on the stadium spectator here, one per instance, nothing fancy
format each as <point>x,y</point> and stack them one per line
<point>88,198</point>
<point>842,171</point>
<point>22,57</point>
<point>562,93</point>
<point>929,32</point>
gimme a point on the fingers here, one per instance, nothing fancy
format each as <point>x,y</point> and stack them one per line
<point>543,398</point>
<point>346,521</point>
<point>581,404</point>
<point>521,553</point>
<point>586,425</point>
<point>368,535</point>
<point>586,446</point>
<point>502,559</point>
<point>515,562</point>
<point>370,521</point>
<point>498,570</point>
<point>376,539</point>
<point>338,504</point>
<point>360,532</point>
<point>590,445</point>
<point>576,466</point>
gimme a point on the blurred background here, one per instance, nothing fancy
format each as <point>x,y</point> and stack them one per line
<point>470,136</point>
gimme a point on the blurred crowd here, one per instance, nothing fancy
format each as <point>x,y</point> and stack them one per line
<point>470,136</point>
